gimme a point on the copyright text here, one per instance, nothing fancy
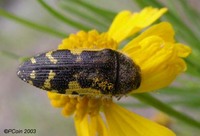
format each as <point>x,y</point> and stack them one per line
<point>19,131</point>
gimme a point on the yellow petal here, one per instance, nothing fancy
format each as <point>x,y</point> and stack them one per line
<point>127,23</point>
<point>82,126</point>
<point>183,51</point>
<point>53,96</point>
<point>91,126</point>
<point>97,126</point>
<point>158,57</point>
<point>91,40</point>
<point>101,127</point>
<point>163,30</point>
<point>122,122</point>
<point>57,100</point>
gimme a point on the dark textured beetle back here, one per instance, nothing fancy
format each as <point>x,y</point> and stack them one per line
<point>90,72</point>
<point>129,75</point>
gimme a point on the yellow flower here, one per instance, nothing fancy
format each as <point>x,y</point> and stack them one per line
<point>159,58</point>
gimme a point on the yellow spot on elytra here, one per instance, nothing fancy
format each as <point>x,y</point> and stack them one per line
<point>79,59</point>
<point>96,80</point>
<point>54,91</point>
<point>47,83</point>
<point>50,57</point>
<point>110,86</point>
<point>76,75</point>
<point>76,51</point>
<point>102,84</point>
<point>33,61</point>
<point>84,91</point>
<point>74,85</point>
<point>32,75</point>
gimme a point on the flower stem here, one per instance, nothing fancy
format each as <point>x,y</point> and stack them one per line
<point>149,99</point>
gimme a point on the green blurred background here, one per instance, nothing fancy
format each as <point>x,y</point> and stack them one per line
<point>25,107</point>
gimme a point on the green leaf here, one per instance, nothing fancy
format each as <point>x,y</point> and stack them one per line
<point>74,10</point>
<point>104,13</point>
<point>23,59</point>
<point>192,14</point>
<point>62,17</point>
<point>9,55</point>
<point>192,68</point>
<point>150,100</point>
<point>185,95</point>
<point>13,56</point>
<point>31,24</point>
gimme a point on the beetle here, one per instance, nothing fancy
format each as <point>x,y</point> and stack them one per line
<point>102,72</point>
